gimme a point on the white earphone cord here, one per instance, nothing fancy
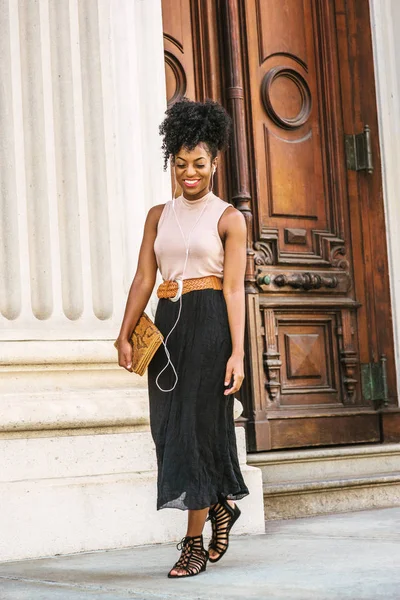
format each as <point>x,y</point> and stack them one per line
<point>187,246</point>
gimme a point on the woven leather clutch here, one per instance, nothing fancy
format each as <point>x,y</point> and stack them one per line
<point>146,339</point>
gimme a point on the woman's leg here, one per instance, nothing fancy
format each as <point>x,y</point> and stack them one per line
<point>196,520</point>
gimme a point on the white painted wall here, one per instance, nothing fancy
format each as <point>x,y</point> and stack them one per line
<point>385,20</point>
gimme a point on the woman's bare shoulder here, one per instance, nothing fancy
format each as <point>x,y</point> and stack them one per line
<point>154,214</point>
<point>156,209</point>
<point>232,217</point>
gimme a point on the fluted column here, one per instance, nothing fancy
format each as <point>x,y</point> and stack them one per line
<point>80,162</point>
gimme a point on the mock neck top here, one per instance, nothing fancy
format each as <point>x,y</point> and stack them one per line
<point>198,221</point>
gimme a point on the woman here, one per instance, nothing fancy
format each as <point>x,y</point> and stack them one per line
<point>198,242</point>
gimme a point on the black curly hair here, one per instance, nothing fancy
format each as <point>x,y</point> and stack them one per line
<point>189,123</point>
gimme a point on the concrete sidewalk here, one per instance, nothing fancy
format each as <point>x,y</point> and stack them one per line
<point>347,556</point>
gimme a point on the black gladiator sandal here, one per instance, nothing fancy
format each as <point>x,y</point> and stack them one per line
<point>222,517</point>
<point>193,558</point>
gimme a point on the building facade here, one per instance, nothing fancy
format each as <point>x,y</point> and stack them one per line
<point>84,87</point>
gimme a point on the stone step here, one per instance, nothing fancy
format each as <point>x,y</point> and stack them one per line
<point>311,482</point>
<point>90,491</point>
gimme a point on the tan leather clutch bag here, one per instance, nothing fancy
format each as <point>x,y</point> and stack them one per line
<point>146,339</point>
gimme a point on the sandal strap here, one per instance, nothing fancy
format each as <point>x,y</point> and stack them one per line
<point>193,556</point>
<point>222,517</point>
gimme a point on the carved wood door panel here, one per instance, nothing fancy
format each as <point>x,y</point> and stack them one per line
<point>294,75</point>
<point>302,202</point>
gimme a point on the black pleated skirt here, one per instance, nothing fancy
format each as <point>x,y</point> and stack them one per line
<point>192,426</point>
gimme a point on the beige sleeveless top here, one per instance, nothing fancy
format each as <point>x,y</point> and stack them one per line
<point>206,251</point>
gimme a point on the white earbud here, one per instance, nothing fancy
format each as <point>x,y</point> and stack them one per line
<point>178,296</point>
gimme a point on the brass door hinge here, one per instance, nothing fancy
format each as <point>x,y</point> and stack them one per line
<point>374,382</point>
<point>359,151</point>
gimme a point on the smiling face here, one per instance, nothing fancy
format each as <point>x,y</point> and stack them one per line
<point>193,170</point>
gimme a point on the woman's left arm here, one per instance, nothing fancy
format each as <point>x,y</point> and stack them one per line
<point>234,226</point>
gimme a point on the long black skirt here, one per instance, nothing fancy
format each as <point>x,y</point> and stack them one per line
<point>192,426</point>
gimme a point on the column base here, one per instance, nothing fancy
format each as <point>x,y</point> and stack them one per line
<point>82,493</point>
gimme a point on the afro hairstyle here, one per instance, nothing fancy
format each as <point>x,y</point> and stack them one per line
<point>189,123</point>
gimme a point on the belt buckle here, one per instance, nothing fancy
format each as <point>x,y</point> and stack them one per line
<point>179,292</point>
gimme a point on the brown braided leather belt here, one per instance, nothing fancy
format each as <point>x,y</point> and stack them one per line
<point>169,289</point>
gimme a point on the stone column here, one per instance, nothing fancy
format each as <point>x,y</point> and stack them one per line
<point>80,164</point>
<point>82,97</point>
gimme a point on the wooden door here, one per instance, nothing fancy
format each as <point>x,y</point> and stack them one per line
<point>297,77</point>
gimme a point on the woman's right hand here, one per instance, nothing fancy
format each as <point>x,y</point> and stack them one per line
<point>124,354</point>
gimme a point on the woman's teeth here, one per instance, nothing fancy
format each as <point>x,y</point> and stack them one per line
<point>191,183</point>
